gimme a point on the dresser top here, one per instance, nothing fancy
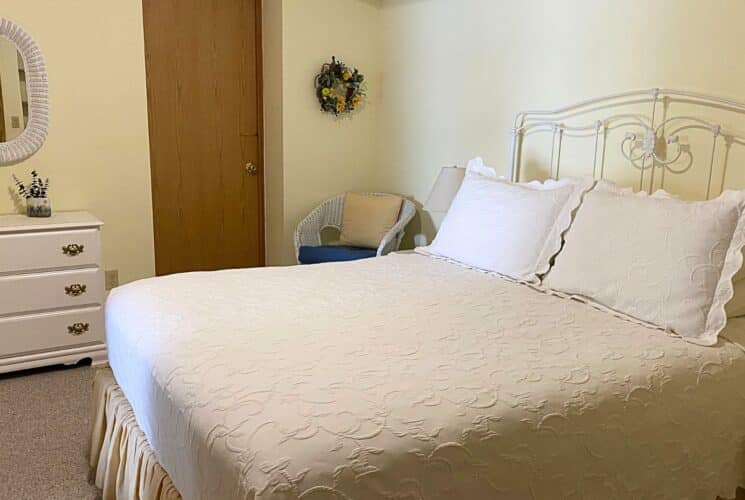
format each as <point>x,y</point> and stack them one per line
<point>17,223</point>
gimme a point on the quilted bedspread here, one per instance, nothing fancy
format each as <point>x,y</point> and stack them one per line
<point>408,377</point>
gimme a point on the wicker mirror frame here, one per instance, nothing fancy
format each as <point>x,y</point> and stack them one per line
<point>35,133</point>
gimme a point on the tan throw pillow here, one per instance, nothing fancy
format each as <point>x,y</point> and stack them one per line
<point>367,218</point>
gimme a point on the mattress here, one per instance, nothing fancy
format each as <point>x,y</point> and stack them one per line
<point>409,377</point>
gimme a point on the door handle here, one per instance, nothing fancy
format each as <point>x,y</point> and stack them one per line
<point>251,168</point>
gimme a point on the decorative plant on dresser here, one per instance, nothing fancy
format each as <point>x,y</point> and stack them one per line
<point>37,202</point>
<point>51,290</point>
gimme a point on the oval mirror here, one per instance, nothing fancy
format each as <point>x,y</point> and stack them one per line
<point>24,96</point>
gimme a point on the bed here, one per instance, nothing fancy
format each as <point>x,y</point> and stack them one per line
<point>409,376</point>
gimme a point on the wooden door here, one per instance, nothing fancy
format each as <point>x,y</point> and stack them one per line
<point>203,62</point>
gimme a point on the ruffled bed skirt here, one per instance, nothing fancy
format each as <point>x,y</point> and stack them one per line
<point>124,465</point>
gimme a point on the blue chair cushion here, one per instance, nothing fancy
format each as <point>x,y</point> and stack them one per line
<point>333,253</point>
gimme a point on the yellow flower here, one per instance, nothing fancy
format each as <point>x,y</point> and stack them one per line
<point>346,75</point>
<point>326,92</point>
<point>356,100</point>
<point>340,104</point>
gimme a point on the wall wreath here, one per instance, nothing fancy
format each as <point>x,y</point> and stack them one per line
<point>338,88</point>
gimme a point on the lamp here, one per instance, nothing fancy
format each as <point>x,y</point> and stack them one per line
<point>445,188</point>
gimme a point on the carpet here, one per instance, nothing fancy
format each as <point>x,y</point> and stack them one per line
<point>44,433</point>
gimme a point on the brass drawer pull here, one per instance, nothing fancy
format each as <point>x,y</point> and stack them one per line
<point>75,289</point>
<point>78,328</point>
<point>73,249</point>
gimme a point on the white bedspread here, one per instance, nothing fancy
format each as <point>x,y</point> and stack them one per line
<point>409,377</point>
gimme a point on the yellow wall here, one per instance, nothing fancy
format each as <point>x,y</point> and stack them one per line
<point>321,155</point>
<point>97,150</point>
<point>456,73</point>
<point>445,80</point>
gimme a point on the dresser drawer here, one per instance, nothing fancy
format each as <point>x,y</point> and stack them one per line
<point>40,332</point>
<point>49,250</point>
<point>55,290</point>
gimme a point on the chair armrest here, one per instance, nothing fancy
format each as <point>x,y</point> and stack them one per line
<point>327,214</point>
<point>392,239</point>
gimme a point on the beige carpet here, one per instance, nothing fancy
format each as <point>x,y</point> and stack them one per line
<point>44,429</point>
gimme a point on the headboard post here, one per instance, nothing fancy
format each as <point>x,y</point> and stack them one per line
<point>515,140</point>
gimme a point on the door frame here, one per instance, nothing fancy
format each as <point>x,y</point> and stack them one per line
<point>261,187</point>
<point>260,130</point>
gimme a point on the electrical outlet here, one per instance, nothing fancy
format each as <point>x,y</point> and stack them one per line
<point>15,122</point>
<point>111,278</point>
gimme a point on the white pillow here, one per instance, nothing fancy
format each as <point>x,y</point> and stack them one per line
<point>655,258</point>
<point>511,229</point>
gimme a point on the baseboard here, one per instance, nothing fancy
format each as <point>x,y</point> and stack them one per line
<point>97,354</point>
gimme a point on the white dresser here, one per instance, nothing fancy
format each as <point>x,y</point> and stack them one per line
<point>51,290</point>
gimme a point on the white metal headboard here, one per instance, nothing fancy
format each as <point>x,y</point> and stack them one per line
<point>660,133</point>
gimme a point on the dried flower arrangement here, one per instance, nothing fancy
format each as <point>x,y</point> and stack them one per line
<point>37,189</point>
<point>37,203</point>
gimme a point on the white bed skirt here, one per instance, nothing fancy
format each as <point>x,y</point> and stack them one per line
<point>124,465</point>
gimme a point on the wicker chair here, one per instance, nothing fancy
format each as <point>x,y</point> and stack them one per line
<point>329,214</point>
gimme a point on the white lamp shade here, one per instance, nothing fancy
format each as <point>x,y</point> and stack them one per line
<point>445,188</point>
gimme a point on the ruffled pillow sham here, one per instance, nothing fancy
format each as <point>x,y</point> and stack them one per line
<point>513,229</point>
<point>658,259</point>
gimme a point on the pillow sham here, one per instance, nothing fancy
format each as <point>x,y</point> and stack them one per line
<point>655,258</point>
<point>507,228</point>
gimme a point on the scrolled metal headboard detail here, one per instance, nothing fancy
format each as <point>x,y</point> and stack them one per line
<point>653,141</point>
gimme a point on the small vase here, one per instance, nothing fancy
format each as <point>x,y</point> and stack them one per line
<point>38,207</point>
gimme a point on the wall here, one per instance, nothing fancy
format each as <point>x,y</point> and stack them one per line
<point>456,73</point>
<point>321,156</point>
<point>445,80</point>
<point>97,150</point>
